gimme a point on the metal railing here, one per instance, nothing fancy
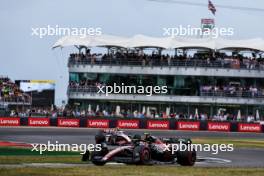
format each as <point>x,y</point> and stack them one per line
<point>237,94</point>
<point>231,94</point>
<point>164,63</point>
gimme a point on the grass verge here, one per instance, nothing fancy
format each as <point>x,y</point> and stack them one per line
<point>17,155</point>
<point>39,159</point>
<point>132,170</point>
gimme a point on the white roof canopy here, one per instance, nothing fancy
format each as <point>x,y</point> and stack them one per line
<point>143,41</point>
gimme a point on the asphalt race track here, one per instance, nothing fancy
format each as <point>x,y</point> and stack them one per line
<point>240,157</point>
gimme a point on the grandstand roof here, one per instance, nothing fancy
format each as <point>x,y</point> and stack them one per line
<point>165,42</point>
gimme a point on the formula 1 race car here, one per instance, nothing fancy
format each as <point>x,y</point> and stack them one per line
<point>122,148</point>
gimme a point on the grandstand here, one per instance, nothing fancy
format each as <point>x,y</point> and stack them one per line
<point>206,78</point>
<point>11,97</point>
<point>11,94</point>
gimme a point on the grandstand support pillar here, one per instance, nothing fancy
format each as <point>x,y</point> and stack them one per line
<point>188,110</point>
<point>247,111</point>
<point>211,111</point>
<point>31,100</point>
<point>159,50</point>
<point>108,49</point>
<point>131,108</point>
<point>213,53</point>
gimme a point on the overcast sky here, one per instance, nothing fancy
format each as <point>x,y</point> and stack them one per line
<point>24,56</point>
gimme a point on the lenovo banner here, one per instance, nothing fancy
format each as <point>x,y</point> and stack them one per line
<point>158,124</point>
<point>68,122</point>
<point>8,121</point>
<point>98,123</point>
<point>38,121</point>
<point>249,127</point>
<point>218,126</point>
<point>133,124</point>
<point>193,126</point>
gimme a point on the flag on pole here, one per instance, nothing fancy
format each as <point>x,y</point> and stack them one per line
<point>211,7</point>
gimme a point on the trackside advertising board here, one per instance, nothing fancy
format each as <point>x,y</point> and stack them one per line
<point>132,124</point>
<point>218,126</point>
<point>158,124</point>
<point>36,121</point>
<point>7,121</point>
<point>192,126</point>
<point>98,123</point>
<point>249,127</point>
<point>68,122</point>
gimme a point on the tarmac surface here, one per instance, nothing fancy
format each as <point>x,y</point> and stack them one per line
<point>240,157</point>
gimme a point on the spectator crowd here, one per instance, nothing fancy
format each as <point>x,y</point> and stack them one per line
<point>232,91</point>
<point>155,59</point>
<point>55,112</point>
<point>10,92</point>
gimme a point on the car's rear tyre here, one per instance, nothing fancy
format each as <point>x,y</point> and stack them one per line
<point>145,157</point>
<point>85,156</point>
<point>186,158</point>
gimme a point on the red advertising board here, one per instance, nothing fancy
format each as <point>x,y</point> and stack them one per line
<point>193,126</point>
<point>218,126</point>
<point>36,121</point>
<point>133,124</point>
<point>158,124</point>
<point>98,123</point>
<point>9,121</point>
<point>249,127</point>
<point>68,122</point>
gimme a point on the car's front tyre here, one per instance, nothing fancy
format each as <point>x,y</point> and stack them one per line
<point>96,158</point>
<point>186,158</point>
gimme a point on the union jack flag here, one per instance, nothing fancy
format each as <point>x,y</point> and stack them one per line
<point>211,7</point>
